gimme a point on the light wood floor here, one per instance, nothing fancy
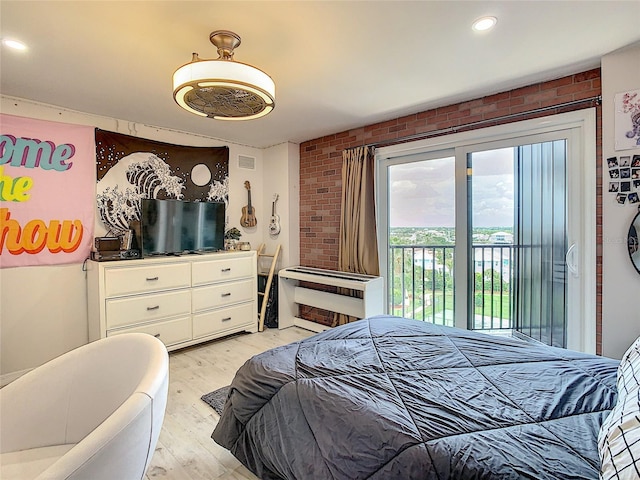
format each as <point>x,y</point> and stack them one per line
<point>185,450</point>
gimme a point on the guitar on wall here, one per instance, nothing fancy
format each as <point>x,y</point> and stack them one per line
<point>248,218</point>
<point>274,221</point>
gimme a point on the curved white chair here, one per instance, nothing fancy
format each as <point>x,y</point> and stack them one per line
<point>93,413</point>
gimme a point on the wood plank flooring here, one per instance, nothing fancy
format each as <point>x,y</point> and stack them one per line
<point>185,450</point>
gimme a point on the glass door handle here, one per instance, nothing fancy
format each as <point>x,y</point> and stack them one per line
<point>570,260</point>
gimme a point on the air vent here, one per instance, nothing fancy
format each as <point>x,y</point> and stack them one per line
<point>248,163</point>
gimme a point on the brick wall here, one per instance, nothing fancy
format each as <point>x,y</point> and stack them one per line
<point>321,161</point>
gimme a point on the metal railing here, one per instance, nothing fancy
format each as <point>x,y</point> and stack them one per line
<point>422,285</point>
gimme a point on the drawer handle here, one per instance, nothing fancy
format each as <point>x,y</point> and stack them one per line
<point>226,269</point>
<point>226,319</point>
<point>152,279</point>
<point>225,294</point>
<point>153,308</point>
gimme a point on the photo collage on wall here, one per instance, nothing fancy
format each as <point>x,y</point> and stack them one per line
<point>624,178</point>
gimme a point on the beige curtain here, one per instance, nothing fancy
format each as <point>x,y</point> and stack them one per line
<point>358,247</point>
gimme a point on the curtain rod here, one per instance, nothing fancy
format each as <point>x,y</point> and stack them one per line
<point>421,136</point>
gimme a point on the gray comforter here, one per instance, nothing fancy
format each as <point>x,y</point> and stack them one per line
<point>390,398</point>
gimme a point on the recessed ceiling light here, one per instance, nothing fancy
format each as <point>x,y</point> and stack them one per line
<point>14,44</point>
<point>484,23</point>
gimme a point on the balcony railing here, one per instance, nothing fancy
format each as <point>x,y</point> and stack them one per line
<point>422,284</point>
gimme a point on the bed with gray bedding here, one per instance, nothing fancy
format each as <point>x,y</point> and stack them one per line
<point>391,398</point>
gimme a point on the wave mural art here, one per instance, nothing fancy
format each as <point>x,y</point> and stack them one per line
<point>131,168</point>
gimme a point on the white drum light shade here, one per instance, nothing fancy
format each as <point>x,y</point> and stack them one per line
<point>222,88</point>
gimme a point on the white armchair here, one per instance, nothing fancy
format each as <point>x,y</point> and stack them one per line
<point>93,413</point>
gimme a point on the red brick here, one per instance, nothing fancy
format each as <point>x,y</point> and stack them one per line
<point>398,128</point>
<point>574,88</point>
<point>558,83</point>
<point>520,92</point>
<point>498,97</point>
<point>460,114</point>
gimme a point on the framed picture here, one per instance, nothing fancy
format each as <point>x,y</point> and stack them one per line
<point>627,120</point>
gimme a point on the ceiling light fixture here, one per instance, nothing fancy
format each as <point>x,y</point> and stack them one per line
<point>14,44</point>
<point>484,23</point>
<point>223,89</point>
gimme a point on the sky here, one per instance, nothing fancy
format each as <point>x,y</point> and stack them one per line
<point>422,193</point>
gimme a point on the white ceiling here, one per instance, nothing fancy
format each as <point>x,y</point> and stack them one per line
<point>336,64</point>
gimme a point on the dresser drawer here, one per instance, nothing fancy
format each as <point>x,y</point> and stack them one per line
<point>214,296</point>
<point>170,331</point>
<point>223,319</point>
<point>151,278</point>
<point>144,308</point>
<point>221,270</point>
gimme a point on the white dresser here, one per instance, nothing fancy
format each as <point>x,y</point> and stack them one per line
<point>181,300</point>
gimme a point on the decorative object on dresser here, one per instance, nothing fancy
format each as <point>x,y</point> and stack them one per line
<point>243,246</point>
<point>181,300</point>
<point>248,218</point>
<point>231,237</point>
<point>114,248</point>
<point>107,244</point>
<point>274,221</point>
<point>110,256</point>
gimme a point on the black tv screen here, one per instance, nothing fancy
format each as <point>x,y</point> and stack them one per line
<point>175,226</point>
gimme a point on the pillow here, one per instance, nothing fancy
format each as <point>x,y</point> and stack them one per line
<point>619,436</point>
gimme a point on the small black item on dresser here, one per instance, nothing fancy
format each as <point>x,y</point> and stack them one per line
<point>111,255</point>
<point>107,244</point>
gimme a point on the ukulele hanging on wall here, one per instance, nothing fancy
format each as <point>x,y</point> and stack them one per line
<point>248,218</point>
<point>274,221</point>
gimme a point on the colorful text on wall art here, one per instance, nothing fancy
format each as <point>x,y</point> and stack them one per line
<point>46,192</point>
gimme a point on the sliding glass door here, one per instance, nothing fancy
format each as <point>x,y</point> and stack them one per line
<point>517,204</point>
<point>490,239</point>
<point>541,279</point>
<point>421,238</point>
<point>493,233</point>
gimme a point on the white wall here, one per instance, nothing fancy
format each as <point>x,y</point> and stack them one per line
<point>43,310</point>
<point>282,177</point>
<point>621,282</point>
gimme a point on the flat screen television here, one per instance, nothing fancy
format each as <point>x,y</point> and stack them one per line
<point>170,227</point>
